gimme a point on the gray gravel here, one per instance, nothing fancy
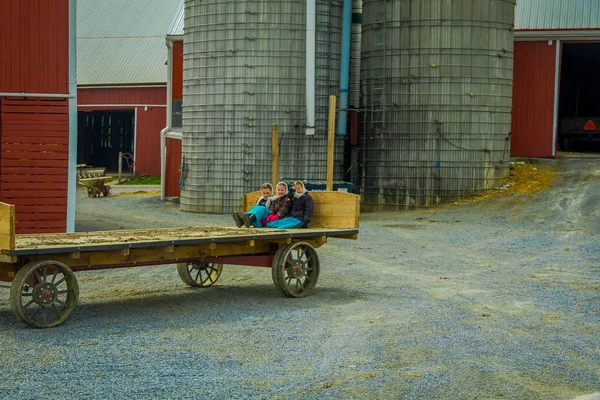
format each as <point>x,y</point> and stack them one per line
<point>497,299</point>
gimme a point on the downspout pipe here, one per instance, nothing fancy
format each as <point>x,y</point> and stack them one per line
<point>345,66</point>
<point>72,168</point>
<point>163,142</point>
<point>311,42</point>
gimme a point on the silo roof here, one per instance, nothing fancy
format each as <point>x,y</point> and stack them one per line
<point>557,14</point>
<point>122,42</point>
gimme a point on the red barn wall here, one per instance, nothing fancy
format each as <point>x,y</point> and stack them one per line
<point>173,165</point>
<point>177,78</point>
<point>34,46</point>
<point>150,105</point>
<point>533,99</point>
<point>34,162</point>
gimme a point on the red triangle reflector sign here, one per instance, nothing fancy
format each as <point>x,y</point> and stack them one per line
<point>590,126</point>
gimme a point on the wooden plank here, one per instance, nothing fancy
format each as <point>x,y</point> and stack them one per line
<point>33,171</point>
<point>40,216</point>
<point>13,138</point>
<point>30,163</point>
<point>37,201</point>
<point>330,143</point>
<point>60,226</point>
<point>33,155</point>
<point>7,226</point>
<point>35,147</point>
<point>275,152</point>
<point>44,207</point>
<point>33,188</point>
<point>5,177</point>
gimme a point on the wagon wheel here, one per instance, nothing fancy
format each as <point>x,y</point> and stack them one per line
<point>295,269</point>
<point>199,274</point>
<point>43,294</point>
<point>90,192</point>
<point>106,191</point>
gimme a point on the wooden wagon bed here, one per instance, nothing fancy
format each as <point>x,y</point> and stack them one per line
<point>44,290</point>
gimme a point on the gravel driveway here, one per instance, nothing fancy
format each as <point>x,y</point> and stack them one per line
<point>488,300</point>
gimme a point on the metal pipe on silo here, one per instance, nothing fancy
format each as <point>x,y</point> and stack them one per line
<point>311,31</point>
<point>345,66</point>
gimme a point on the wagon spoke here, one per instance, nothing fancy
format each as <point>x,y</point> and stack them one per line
<point>45,272</point>
<point>61,281</point>
<point>63,291</point>
<point>28,304</point>
<point>26,294</point>
<point>37,275</point>
<point>55,275</point>
<point>59,302</point>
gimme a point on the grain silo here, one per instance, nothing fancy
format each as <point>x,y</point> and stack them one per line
<point>436,83</point>
<point>245,68</point>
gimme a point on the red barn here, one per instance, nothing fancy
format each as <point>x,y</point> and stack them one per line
<point>556,100</point>
<point>36,173</point>
<point>121,80</point>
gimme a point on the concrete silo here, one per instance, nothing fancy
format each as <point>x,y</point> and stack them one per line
<point>436,86</point>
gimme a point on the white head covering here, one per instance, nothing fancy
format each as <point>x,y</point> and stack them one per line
<point>285,185</point>
<point>304,191</point>
<point>269,199</point>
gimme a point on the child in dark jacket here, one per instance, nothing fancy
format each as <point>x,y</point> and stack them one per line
<point>259,212</point>
<point>301,213</point>
<point>280,204</point>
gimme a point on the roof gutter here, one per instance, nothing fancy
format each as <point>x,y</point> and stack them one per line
<point>557,35</point>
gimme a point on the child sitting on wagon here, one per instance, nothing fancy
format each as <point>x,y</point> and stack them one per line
<point>260,211</point>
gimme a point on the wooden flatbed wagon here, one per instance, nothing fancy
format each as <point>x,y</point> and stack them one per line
<point>44,290</point>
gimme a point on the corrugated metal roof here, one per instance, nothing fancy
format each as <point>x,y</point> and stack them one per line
<point>177,28</point>
<point>557,14</point>
<point>123,41</point>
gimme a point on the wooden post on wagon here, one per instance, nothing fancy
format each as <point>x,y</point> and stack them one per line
<point>330,143</point>
<point>275,152</point>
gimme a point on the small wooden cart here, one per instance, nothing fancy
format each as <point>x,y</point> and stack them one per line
<point>44,290</point>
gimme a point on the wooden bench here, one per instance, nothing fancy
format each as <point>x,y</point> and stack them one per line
<point>332,209</point>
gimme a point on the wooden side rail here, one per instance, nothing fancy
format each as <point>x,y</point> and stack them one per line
<point>7,226</point>
<point>336,210</point>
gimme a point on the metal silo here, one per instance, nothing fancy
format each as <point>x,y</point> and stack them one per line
<point>436,83</point>
<point>244,70</point>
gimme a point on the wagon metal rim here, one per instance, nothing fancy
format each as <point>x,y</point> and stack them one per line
<point>44,294</point>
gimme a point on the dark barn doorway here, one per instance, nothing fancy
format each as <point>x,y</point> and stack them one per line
<point>102,135</point>
<point>579,103</point>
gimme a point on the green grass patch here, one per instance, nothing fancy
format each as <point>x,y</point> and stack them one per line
<point>144,180</point>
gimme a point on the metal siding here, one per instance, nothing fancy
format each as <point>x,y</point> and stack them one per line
<point>436,78</point>
<point>244,69</point>
<point>173,165</point>
<point>34,162</point>
<point>177,78</point>
<point>123,42</point>
<point>147,142</point>
<point>34,41</point>
<point>177,28</point>
<point>557,14</point>
<point>533,99</point>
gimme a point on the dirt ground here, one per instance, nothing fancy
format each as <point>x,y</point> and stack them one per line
<point>490,299</point>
